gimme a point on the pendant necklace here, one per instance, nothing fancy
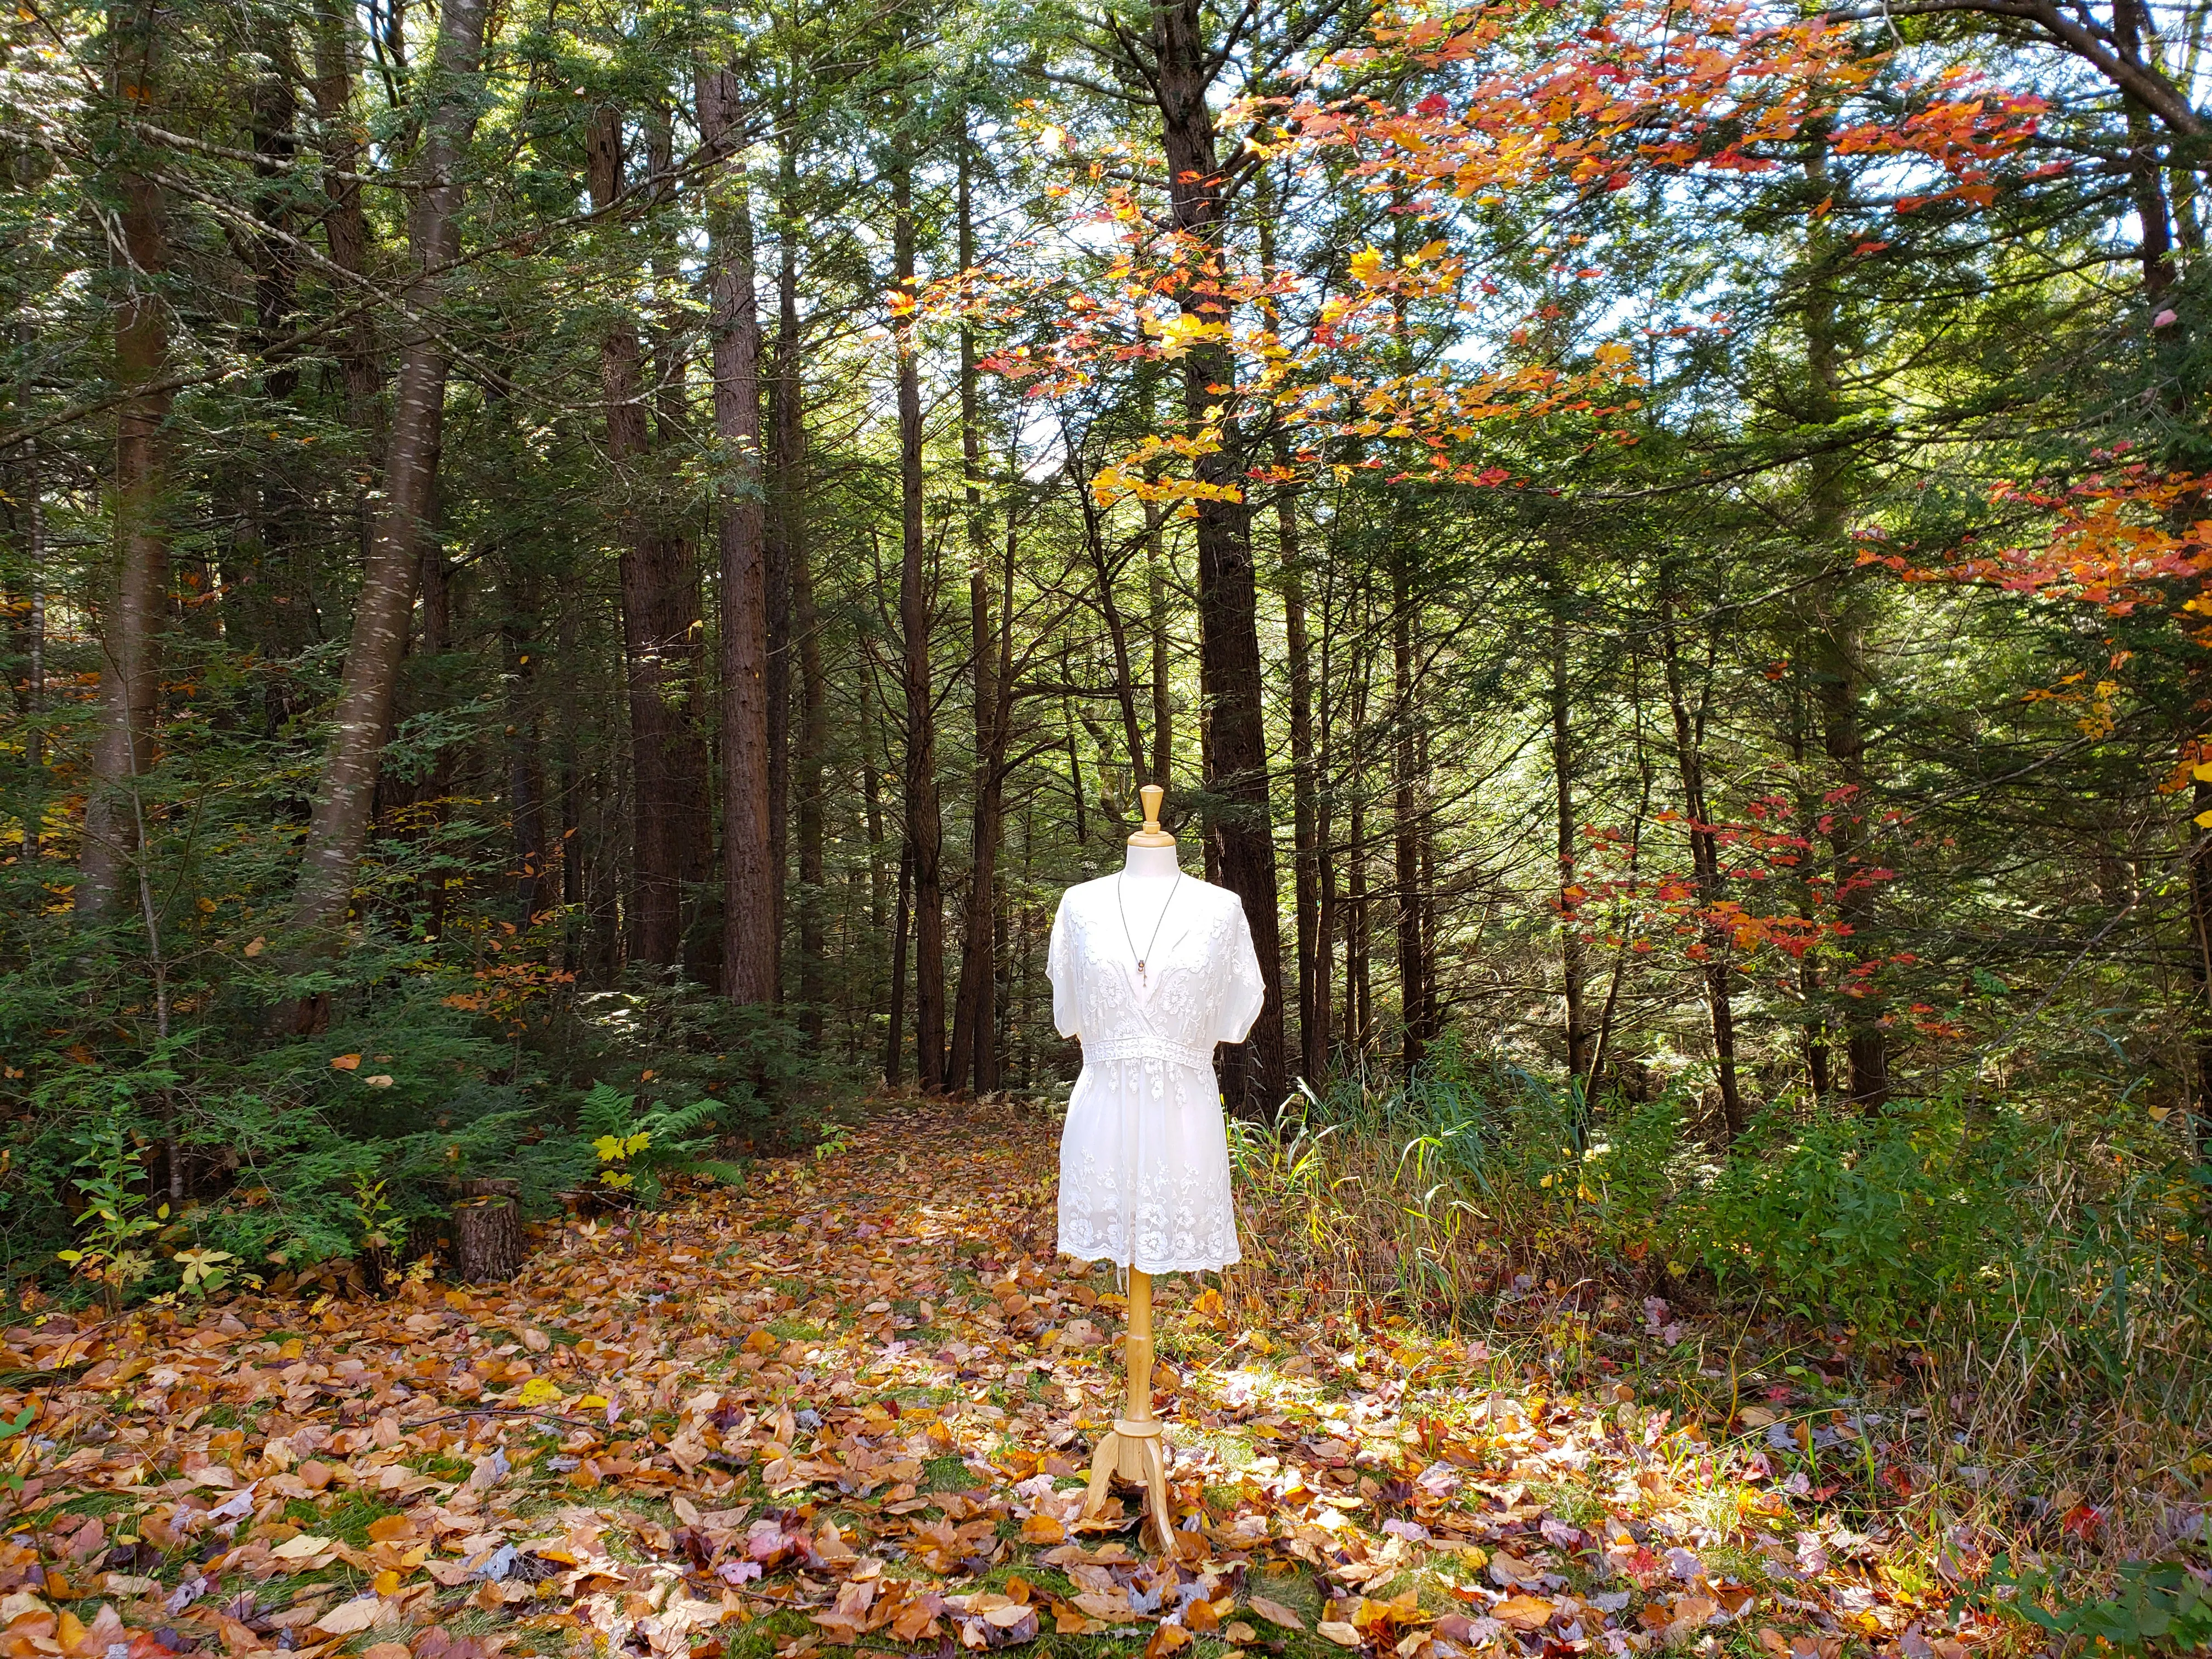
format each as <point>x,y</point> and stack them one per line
<point>1166,904</point>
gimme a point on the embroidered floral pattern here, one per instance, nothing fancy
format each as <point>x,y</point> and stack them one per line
<point>1143,1161</point>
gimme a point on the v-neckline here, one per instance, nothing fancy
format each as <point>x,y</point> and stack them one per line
<point>1144,976</point>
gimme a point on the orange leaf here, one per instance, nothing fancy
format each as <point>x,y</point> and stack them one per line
<point>1523,1612</point>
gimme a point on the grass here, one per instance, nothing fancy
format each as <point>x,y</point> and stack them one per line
<point>346,1515</point>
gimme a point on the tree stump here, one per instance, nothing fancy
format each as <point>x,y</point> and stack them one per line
<point>488,1230</point>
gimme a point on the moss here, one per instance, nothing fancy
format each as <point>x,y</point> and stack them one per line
<point>947,1474</point>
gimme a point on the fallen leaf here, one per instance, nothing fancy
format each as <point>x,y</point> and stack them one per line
<point>1523,1612</point>
<point>1275,1613</point>
<point>350,1618</point>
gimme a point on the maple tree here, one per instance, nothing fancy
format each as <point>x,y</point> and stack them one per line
<point>1712,87</point>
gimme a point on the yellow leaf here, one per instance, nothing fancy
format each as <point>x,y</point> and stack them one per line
<point>346,1063</point>
<point>387,1583</point>
<point>539,1391</point>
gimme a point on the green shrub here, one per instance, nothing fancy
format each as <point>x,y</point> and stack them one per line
<point>1876,1220</point>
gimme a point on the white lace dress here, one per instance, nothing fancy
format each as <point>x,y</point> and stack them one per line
<point>1143,1161</point>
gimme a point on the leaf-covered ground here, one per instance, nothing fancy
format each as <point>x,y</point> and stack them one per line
<point>853,1405</point>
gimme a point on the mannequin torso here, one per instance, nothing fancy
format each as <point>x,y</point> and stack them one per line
<point>1144,891</point>
<point>1151,864</point>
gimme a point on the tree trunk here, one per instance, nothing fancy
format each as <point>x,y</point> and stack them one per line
<point>748,876</point>
<point>924,832</point>
<point>1306,859</point>
<point>895,1032</point>
<point>780,553</point>
<point>30,648</point>
<point>339,825</point>
<point>1572,969</point>
<point>1359,993</point>
<point>975,1020</point>
<point>1326,912</point>
<point>134,607</point>
<point>1156,622</point>
<point>1704,861</point>
<point>1305,822</point>
<point>526,770</point>
<point>788,498</point>
<point>1836,647</point>
<point>267,605</point>
<point>1405,820</point>
<point>660,615</point>
<point>1817,1065</point>
<point>974,1005</point>
<point>871,812</point>
<point>345,224</point>
<point>1228,639</point>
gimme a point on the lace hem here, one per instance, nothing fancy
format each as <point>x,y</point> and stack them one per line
<point>1107,1253</point>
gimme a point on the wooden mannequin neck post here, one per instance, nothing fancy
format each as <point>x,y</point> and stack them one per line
<point>1151,849</point>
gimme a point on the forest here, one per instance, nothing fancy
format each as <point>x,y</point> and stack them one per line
<point>580,578</point>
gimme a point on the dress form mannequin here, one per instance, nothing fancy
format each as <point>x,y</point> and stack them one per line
<point>1134,1448</point>
<point>1151,969</point>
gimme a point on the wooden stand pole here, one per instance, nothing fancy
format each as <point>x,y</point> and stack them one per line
<point>1134,1448</point>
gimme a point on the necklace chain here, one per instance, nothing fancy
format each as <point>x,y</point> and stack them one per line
<point>1165,905</point>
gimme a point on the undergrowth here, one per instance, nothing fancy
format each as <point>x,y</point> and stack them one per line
<point>1992,1313</point>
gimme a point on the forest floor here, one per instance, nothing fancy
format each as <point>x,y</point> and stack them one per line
<point>852,1405</point>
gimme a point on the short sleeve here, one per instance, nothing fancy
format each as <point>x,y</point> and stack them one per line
<point>1059,968</point>
<point>1243,990</point>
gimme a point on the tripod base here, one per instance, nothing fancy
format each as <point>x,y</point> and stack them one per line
<point>1138,1452</point>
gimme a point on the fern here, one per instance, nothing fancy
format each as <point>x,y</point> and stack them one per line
<point>638,1150</point>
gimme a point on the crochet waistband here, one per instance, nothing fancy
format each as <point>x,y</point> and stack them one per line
<point>1146,1048</point>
